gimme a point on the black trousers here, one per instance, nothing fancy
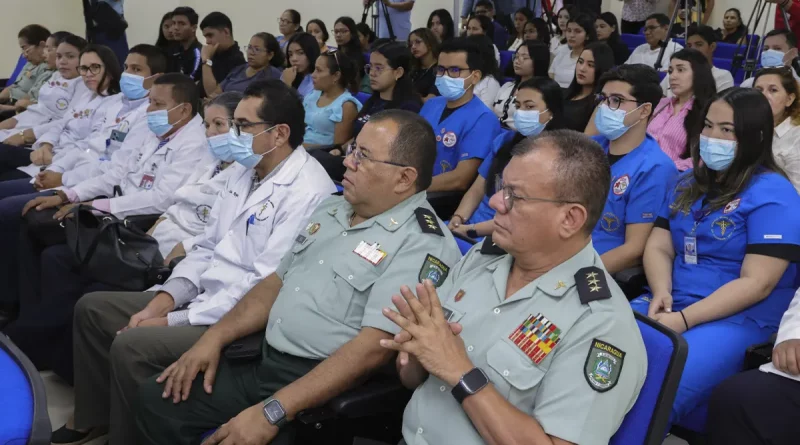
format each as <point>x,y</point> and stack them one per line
<point>631,27</point>
<point>753,408</point>
<point>12,157</point>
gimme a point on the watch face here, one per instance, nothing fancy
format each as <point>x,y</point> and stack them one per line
<point>274,411</point>
<point>475,380</point>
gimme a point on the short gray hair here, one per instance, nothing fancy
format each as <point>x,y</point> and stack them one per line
<point>581,171</point>
<point>414,145</point>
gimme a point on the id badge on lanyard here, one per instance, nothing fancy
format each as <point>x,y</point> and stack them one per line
<point>690,240</point>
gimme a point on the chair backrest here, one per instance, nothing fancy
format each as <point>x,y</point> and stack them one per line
<point>505,60</point>
<point>646,423</point>
<point>18,69</point>
<point>633,40</point>
<point>23,413</point>
<point>362,97</point>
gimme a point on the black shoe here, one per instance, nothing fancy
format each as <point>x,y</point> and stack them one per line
<point>66,436</point>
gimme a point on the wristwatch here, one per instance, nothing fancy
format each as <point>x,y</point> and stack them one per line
<point>209,62</point>
<point>472,233</point>
<point>470,383</point>
<point>274,412</point>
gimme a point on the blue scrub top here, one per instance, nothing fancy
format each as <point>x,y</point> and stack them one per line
<point>764,219</point>
<point>484,212</point>
<point>640,181</point>
<point>467,133</point>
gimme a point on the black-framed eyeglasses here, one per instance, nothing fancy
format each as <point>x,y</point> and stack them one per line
<point>452,71</point>
<point>93,68</point>
<point>359,156</point>
<point>238,127</point>
<point>652,28</point>
<point>613,102</point>
<point>509,196</point>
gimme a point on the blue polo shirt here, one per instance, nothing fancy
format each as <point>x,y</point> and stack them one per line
<point>640,181</point>
<point>467,133</point>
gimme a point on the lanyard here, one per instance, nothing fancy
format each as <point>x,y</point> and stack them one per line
<point>508,103</point>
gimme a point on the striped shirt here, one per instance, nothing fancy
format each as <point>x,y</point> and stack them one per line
<point>667,128</point>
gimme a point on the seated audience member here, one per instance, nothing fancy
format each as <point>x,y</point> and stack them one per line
<point>780,48</point>
<point>521,17</point>
<point>302,53</point>
<point>316,28</point>
<point>641,174</point>
<point>537,29</point>
<point>221,53</point>
<point>480,25</point>
<point>425,53</point>
<point>580,100</point>
<point>702,39</point>
<point>655,31</point>
<point>322,351</point>
<point>463,125</point>
<point>733,30</point>
<point>692,85</point>
<point>539,108</point>
<point>734,277</point>
<point>759,406</point>
<point>486,90</point>
<point>692,15</point>
<point>560,37</point>
<point>499,34</point>
<point>330,109</point>
<point>55,96</point>
<point>607,30</point>
<point>580,32</point>
<point>289,24</point>
<point>265,60</point>
<point>226,262</point>
<point>165,160</point>
<point>101,74</point>
<point>783,94</point>
<point>440,22</point>
<point>32,41</point>
<point>365,37</point>
<point>185,53</point>
<point>346,36</point>
<point>165,39</point>
<point>540,260</point>
<point>530,60</point>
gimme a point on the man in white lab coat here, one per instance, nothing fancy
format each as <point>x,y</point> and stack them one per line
<point>760,406</point>
<point>269,196</point>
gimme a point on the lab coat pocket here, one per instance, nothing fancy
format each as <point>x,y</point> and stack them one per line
<point>515,375</point>
<point>347,301</point>
<point>256,239</point>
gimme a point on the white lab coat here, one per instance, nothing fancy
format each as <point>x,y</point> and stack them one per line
<point>150,178</point>
<point>55,97</point>
<point>78,123</point>
<point>186,218</point>
<point>788,330</point>
<point>116,121</point>
<point>247,236</point>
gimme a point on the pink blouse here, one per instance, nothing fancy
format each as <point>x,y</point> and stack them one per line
<point>669,132</point>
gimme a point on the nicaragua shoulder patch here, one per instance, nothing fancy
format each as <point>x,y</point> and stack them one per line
<point>603,365</point>
<point>427,221</point>
<point>490,248</point>
<point>433,269</point>
<point>592,285</point>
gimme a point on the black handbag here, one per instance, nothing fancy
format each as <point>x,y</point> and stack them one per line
<point>113,251</point>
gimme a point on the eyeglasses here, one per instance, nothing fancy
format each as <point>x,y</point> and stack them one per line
<point>509,196</point>
<point>253,49</point>
<point>93,68</point>
<point>340,32</point>
<point>452,71</point>
<point>25,48</point>
<point>651,28</point>
<point>378,70</point>
<point>335,53</point>
<point>237,127</point>
<point>284,21</point>
<point>614,102</point>
<point>359,156</point>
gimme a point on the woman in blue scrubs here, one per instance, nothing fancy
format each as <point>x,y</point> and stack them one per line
<point>719,260</point>
<point>539,106</point>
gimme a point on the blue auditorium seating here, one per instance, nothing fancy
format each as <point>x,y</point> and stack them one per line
<point>463,242</point>
<point>23,411</point>
<point>505,60</point>
<point>20,63</point>
<point>632,40</point>
<point>362,97</point>
<point>647,422</point>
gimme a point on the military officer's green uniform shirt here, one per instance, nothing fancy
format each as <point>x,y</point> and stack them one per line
<point>29,76</point>
<point>337,279</point>
<point>564,349</point>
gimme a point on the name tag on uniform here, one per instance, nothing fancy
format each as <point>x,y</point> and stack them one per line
<point>370,252</point>
<point>147,182</point>
<point>690,249</point>
<point>118,136</point>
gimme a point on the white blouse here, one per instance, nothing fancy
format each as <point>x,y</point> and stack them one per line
<point>487,89</point>
<point>786,150</point>
<point>562,70</point>
<point>515,46</point>
<point>505,98</point>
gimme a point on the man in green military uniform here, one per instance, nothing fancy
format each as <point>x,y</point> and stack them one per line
<point>542,346</point>
<point>322,307</point>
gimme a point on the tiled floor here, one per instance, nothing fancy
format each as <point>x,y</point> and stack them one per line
<point>60,399</point>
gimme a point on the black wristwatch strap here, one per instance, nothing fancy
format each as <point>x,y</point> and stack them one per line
<point>470,383</point>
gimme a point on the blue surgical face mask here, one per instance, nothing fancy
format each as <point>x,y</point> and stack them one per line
<point>772,58</point>
<point>221,147</point>
<point>132,86</point>
<point>717,154</point>
<point>242,148</point>
<point>158,121</point>
<point>527,122</point>
<point>451,88</point>
<point>611,123</point>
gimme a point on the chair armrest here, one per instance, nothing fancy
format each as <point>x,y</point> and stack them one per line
<point>758,354</point>
<point>143,222</point>
<point>464,238</point>
<point>632,281</point>
<point>625,276</point>
<point>445,203</point>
